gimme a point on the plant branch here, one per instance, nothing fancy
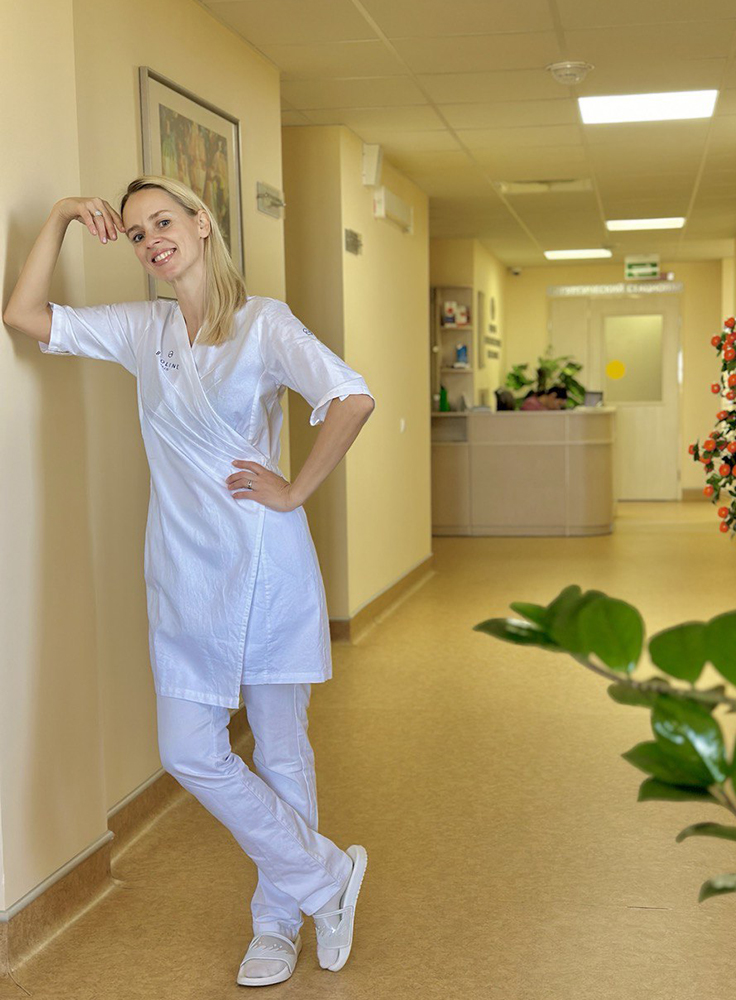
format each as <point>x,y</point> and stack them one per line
<point>656,685</point>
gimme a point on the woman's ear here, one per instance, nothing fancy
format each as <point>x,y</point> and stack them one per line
<point>204,224</point>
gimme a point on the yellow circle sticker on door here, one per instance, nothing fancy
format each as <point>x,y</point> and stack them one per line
<point>615,369</point>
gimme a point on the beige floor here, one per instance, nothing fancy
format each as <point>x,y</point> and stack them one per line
<point>509,857</point>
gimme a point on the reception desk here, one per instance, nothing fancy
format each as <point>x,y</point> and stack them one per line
<point>523,473</point>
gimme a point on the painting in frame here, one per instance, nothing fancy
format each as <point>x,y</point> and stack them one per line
<point>191,140</point>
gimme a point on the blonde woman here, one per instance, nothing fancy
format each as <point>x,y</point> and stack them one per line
<point>235,596</point>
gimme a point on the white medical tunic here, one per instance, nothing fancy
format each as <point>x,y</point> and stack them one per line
<point>234,589</point>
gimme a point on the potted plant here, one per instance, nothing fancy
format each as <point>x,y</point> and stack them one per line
<point>555,385</point>
<point>687,760</point>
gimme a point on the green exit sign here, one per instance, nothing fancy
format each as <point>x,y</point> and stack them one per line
<point>641,266</point>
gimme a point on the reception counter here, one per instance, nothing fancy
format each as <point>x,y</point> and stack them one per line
<point>523,473</point>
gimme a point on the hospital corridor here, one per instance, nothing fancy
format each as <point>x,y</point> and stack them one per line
<point>509,856</point>
<point>367,567</point>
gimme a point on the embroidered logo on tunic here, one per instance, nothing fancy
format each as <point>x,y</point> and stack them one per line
<point>308,331</point>
<point>166,365</point>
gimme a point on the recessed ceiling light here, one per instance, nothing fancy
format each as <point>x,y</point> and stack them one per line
<point>623,224</point>
<point>648,107</point>
<point>576,254</point>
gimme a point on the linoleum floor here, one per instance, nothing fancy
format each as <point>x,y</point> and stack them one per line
<point>508,856</point>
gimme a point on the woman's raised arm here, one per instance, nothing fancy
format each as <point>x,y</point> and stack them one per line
<point>28,308</point>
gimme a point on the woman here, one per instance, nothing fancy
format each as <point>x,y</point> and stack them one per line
<point>234,590</point>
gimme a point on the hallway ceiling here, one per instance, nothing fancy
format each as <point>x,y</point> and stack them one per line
<point>458,97</point>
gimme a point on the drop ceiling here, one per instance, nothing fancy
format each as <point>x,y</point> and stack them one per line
<point>458,98</point>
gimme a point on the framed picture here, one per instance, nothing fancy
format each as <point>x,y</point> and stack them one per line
<point>192,141</point>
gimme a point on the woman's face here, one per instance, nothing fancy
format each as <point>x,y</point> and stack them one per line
<point>167,240</point>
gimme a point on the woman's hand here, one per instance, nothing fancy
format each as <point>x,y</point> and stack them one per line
<point>269,488</point>
<point>83,210</point>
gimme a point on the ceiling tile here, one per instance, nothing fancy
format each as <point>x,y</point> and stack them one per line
<point>286,21</point>
<point>309,62</point>
<point>726,103</point>
<point>510,113</point>
<point>418,116</point>
<point>546,162</point>
<point>370,92</point>
<point>394,143</point>
<point>508,85</point>
<point>584,14</point>
<point>630,46</point>
<point>656,75</point>
<point>672,136</point>
<point>293,118</point>
<point>479,53</point>
<point>463,17</point>
<point>521,138</point>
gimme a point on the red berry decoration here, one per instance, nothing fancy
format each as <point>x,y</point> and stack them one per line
<point>730,322</point>
<point>716,341</point>
<point>691,449</point>
<point>724,470</point>
<point>709,491</point>
<point>731,394</point>
<point>722,414</point>
<point>732,380</point>
<point>709,444</point>
<point>724,526</point>
<point>723,511</point>
<point>729,354</point>
<point>731,447</point>
<point>715,387</point>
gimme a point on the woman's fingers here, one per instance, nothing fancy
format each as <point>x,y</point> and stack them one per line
<point>115,218</point>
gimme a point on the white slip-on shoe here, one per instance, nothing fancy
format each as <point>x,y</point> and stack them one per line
<point>270,946</point>
<point>340,937</point>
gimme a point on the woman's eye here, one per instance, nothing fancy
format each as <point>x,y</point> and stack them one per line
<point>163,220</point>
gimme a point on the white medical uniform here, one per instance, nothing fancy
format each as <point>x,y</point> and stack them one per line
<point>234,589</point>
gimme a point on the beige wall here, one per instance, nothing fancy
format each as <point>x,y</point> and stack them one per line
<point>51,781</point>
<point>78,707</point>
<point>372,518</point>
<point>701,304</point>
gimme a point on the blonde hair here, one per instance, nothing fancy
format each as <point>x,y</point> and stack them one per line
<point>225,290</point>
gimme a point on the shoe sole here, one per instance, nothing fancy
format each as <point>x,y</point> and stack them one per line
<point>360,859</point>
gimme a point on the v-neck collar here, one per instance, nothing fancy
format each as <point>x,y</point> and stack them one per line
<point>191,343</point>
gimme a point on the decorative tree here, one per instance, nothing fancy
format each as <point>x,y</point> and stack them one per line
<point>718,452</point>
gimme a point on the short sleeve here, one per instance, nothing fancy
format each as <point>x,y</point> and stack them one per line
<point>295,357</point>
<point>104,332</point>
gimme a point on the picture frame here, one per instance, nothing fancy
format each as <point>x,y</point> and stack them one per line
<point>190,139</point>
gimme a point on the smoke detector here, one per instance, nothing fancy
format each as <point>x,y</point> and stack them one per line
<point>568,73</point>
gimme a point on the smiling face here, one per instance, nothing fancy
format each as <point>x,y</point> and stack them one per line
<point>167,240</point>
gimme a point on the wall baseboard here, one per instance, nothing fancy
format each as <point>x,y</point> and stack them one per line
<point>691,493</point>
<point>347,631</point>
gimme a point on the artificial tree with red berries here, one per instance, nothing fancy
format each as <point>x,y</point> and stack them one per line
<point>718,453</point>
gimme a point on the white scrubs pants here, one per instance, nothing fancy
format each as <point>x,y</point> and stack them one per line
<point>271,813</point>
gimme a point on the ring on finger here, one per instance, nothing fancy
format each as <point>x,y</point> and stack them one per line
<point>98,212</point>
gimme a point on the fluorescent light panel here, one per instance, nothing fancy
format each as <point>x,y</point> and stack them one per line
<point>648,107</point>
<point>575,254</point>
<point>627,224</point>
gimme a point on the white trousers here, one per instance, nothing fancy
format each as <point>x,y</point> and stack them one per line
<point>271,813</point>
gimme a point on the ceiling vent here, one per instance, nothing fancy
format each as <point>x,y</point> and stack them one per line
<point>544,187</point>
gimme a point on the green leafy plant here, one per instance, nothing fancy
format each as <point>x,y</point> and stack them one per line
<point>551,373</point>
<point>687,760</point>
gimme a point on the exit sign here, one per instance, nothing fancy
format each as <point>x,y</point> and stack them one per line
<point>639,266</point>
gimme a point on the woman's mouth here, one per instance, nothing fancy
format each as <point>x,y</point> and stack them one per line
<point>163,256</point>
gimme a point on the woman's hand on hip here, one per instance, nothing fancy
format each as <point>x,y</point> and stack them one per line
<point>268,488</point>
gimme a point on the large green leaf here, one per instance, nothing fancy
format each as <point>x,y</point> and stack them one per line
<point>654,759</point>
<point>690,734</point>
<point>681,651</point>
<point>513,630</point>
<point>564,618</point>
<point>653,790</point>
<point>721,644</point>
<point>613,630</point>
<point>707,830</point>
<point>717,886</point>
<point>536,613</point>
